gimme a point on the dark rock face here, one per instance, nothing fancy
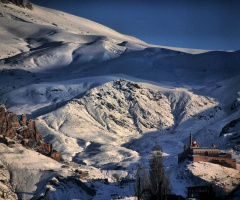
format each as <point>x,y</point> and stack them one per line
<point>24,120</point>
<point>9,123</point>
<point>233,129</point>
<point>24,131</point>
<point>23,3</point>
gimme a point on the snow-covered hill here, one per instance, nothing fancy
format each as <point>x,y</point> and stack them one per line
<point>43,34</point>
<point>203,173</point>
<point>110,115</point>
<point>105,99</point>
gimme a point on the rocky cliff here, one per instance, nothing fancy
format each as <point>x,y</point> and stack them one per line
<point>232,129</point>
<point>124,106</point>
<point>24,131</point>
<point>9,123</point>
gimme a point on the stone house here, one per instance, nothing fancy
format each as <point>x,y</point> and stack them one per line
<point>206,154</point>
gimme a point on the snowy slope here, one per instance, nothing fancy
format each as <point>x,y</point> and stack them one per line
<point>28,33</point>
<point>202,173</point>
<point>22,30</point>
<point>105,99</point>
<point>118,112</point>
<point>33,176</point>
<point>27,169</point>
<point>160,65</point>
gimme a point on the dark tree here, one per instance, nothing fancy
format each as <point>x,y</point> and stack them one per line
<point>154,184</point>
<point>159,183</point>
<point>142,182</point>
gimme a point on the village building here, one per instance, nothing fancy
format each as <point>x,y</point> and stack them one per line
<point>206,192</point>
<point>196,153</point>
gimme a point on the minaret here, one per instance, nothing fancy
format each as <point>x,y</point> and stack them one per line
<point>191,140</point>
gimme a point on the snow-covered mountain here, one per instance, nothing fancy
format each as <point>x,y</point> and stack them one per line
<point>104,99</point>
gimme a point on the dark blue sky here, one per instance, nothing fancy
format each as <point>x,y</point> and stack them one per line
<point>190,24</point>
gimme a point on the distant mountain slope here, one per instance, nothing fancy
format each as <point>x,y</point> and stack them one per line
<point>44,38</point>
<point>22,31</point>
<point>165,65</point>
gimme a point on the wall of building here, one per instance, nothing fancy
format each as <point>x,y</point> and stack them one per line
<point>207,192</point>
<point>211,151</point>
<point>226,162</point>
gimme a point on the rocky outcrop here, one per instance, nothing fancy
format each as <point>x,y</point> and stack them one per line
<point>232,129</point>
<point>23,120</point>
<point>9,123</point>
<point>24,131</point>
<point>125,106</point>
<point>6,191</point>
<point>56,187</point>
<point>23,3</point>
<point>29,131</point>
<point>236,104</point>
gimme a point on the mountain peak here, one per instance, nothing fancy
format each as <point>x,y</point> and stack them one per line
<point>23,3</point>
<point>122,106</point>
